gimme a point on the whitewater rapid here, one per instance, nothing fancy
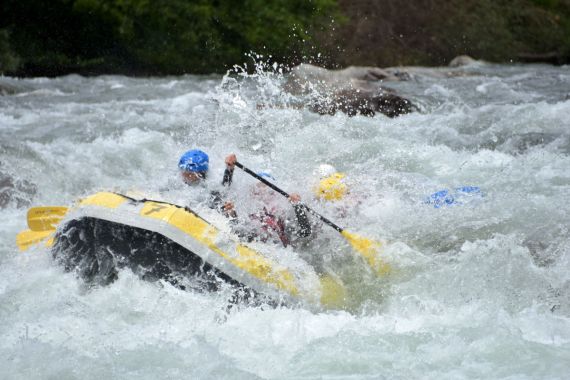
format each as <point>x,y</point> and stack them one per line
<point>478,290</point>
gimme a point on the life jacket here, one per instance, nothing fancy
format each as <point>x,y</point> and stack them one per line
<point>270,225</point>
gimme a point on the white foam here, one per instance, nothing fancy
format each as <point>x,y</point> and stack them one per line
<point>476,291</point>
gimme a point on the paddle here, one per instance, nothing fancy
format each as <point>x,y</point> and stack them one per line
<point>365,247</point>
<point>27,238</point>
<point>45,218</point>
<point>42,222</point>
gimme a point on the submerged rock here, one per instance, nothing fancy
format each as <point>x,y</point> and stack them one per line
<point>520,143</point>
<point>6,89</point>
<point>15,192</point>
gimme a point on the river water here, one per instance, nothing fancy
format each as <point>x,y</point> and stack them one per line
<point>479,289</point>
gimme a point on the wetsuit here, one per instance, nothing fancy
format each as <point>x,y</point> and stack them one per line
<point>216,200</point>
<point>270,226</point>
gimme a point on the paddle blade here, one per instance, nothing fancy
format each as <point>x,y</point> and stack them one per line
<point>27,238</point>
<point>45,218</point>
<point>369,249</point>
<point>333,293</point>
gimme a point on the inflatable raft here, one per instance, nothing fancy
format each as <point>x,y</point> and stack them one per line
<point>157,240</point>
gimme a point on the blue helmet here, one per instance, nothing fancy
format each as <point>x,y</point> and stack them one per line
<point>441,198</point>
<point>194,161</point>
<point>266,175</point>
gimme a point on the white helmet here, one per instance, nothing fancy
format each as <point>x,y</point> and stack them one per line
<point>325,170</point>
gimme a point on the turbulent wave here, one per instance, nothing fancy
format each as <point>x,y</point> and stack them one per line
<point>478,290</point>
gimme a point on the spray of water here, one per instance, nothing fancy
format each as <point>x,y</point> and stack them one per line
<point>478,290</point>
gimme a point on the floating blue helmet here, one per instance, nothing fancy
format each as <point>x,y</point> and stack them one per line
<point>194,161</point>
<point>266,175</point>
<point>461,195</point>
<point>441,198</point>
<point>468,189</point>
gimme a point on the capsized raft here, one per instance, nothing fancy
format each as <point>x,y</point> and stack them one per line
<point>159,240</point>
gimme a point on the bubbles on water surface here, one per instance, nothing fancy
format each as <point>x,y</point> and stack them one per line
<point>480,285</point>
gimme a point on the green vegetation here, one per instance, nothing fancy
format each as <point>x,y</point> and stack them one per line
<point>144,37</point>
<point>8,60</point>
<point>53,37</point>
<point>432,32</point>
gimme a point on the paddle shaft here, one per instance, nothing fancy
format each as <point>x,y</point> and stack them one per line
<point>285,194</point>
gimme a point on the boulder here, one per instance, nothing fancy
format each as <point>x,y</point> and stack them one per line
<point>462,60</point>
<point>352,102</point>
<point>305,76</point>
<point>354,90</point>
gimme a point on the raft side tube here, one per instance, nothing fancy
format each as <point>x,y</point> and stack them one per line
<point>161,240</point>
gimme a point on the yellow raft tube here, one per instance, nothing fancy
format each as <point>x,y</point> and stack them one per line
<point>162,240</point>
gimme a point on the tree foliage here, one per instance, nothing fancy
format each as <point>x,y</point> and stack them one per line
<point>432,32</point>
<point>53,37</point>
<point>158,37</point>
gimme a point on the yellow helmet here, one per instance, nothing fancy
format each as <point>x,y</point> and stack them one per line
<point>331,188</point>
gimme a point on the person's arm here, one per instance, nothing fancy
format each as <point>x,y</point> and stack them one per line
<point>228,176</point>
<point>216,201</point>
<point>229,172</point>
<point>301,215</point>
<point>224,207</point>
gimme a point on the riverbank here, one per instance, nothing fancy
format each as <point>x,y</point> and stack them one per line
<point>433,32</point>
